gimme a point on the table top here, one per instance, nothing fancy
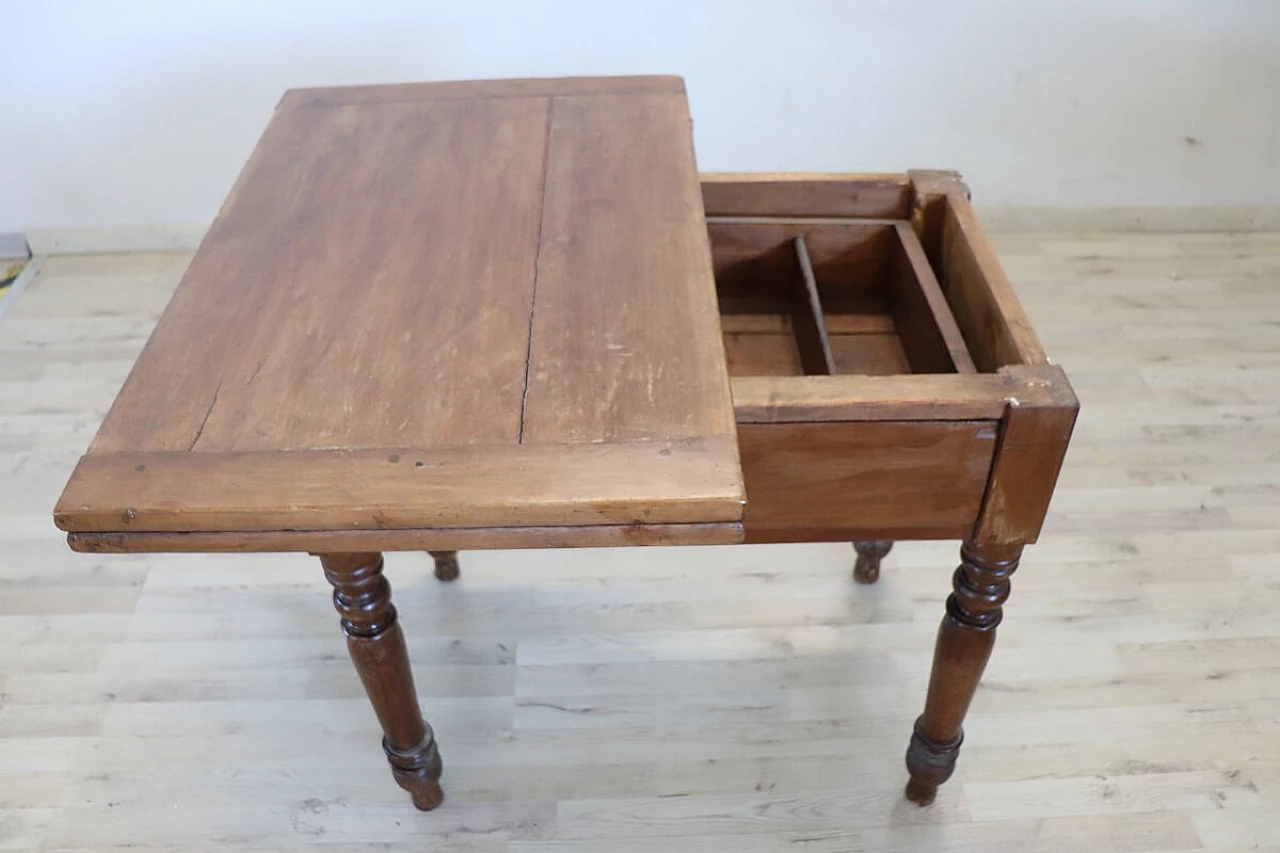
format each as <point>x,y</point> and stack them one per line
<point>479,304</point>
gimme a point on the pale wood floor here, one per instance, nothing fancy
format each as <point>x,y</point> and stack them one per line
<point>734,699</point>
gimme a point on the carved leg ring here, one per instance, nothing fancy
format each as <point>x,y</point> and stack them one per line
<point>362,597</point>
<point>866,569</point>
<point>965,640</point>
<point>446,564</point>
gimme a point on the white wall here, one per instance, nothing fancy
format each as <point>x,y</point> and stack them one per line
<point>129,113</point>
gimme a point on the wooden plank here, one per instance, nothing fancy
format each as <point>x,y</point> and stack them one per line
<point>762,354</point>
<point>766,399</point>
<point>884,196</point>
<point>929,335</point>
<point>806,317</point>
<point>472,89</point>
<point>431,539</point>
<point>864,475</point>
<point>625,342</point>
<point>986,309</point>
<point>371,283</point>
<point>310,316</point>
<point>859,324</point>
<point>929,191</point>
<point>507,485</point>
<point>869,355</point>
<point>1033,443</point>
<point>756,258</point>
<point>848,531</point>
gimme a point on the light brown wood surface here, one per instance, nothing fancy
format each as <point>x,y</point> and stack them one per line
<point>885,196</point>
<point>996,329</point>
<point>834,481</point>
<point>924,322</point>
<point>520,269</point>
<point>717,700</point>
<point>507,485</point>
<point>624,324</point>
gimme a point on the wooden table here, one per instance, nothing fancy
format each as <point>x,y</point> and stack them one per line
<point>509,314</point>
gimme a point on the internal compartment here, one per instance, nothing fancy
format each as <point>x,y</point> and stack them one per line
<point>830,296</point>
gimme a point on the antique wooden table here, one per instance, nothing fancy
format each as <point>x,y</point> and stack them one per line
<point>509,314</point>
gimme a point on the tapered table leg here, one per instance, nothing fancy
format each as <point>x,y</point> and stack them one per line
<point>362,597</point>
<point>965,640</point>
<point>866,569</point>
<point>446,564</point>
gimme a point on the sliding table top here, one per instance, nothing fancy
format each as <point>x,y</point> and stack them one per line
<point>481,304</point>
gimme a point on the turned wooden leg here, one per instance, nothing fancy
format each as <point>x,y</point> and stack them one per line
<point>363,599</point>
<point>866,569</point>
<point>966,637</point>
<point>446,564</point>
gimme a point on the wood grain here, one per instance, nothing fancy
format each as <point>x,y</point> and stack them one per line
<point>836,475</point>
<point>873,196</point>
<point>986,309</point>
<point>766,399</point>
<point>624,340</point>
<point>1033,443</point>
<point>807,318</point>
<point>756,258</point>
<point>869,355</point>
<point>405,488</point>
<point>921,316</point>
<point>292,354</point>
<point>422,270</point>
<point>930,189</point>
<point>430,539</point>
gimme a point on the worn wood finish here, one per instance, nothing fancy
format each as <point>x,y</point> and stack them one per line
<point>986,309</point>
<point>767,399</point>
<point>623,342</point>
<point>554,322</point>
<point>420,539</point>
<point>965,640</point>
<point>762,354</point>
<point>446,563</point>
<point>866,568</point>
<point>292,356</point>
<point>929,191</point>
<point>806,194</point>
<point>362,597</point>
<point>807,317</point>
<point>837,324</point>
<point>869,354</point>
<point>837,476</point>
<point>756,258</point>
<point>405,488</point>
<point>1033,443</point>
<point>921,317</point>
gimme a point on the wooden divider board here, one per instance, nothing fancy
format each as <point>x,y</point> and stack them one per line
<point>438,306</point>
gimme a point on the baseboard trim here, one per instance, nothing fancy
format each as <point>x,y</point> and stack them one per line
<point>1011,218</point>
<point>13,246</point>
<point>1161,220</point>
<point>28,275</point>
<point>96,241</point>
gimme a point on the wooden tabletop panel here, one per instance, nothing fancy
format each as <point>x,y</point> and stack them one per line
<point>425,267</point>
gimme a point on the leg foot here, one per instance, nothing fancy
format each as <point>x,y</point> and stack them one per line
<point>446,565</point>
<point>866,569</point>
<point>965,639</point>
<point>930,764</point>
<point>362,597</point>
<point>418,771</point>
